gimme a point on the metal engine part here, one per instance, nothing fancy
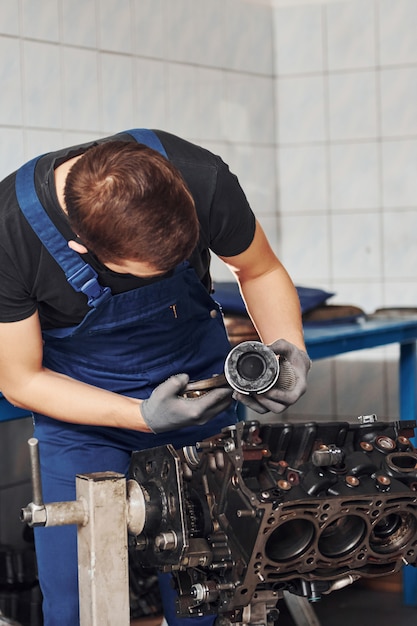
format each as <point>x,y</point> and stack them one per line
<point>251,367</point>
<point>263,510</point>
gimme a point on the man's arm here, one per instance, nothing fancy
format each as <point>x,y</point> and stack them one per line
<point>27,384</point>
<point>273,304</point>
<point>269,294</point>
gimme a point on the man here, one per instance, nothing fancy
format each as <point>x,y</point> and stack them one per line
<point>106,313</point>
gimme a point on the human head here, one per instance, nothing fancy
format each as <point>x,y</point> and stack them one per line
<point>126,201</point>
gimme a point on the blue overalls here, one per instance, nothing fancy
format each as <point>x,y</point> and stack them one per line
<point>127,343</point>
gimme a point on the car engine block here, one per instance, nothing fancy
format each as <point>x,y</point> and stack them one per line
<point>264,509</point>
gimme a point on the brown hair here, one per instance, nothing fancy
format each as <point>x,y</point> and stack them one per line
<point>127,202</point>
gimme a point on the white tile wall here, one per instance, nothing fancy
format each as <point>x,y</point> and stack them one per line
<point>81,91</point>
<point>40,19</point>
<point>356,246</point>
<point>9,17</point>
<point>151,77</point>
<point>115,25</point>
<point>351,35</point>
<point>149,28</point>
<point>182,33</point>
<point>368,294</point>
<point>357,160</point>
<point>400,290</point>
<point>347,128</point>
<point>260,190</point>
<point>300,23</point>
<point>303,179</point>
<point>399,244</point>
<point>183,115</point>
<point>398,23</point>
<point>251,120</point>
<point>12,149</point>
<point>300,106</point>
<point>355,176</point>
<point>211,93</point>
<point>11,82</point>
<point>248,37</point>
<point>398,97</point>
<point>78,19</point>
<point>305,247</point>
<point>117,92</point>
<point>398,181</point>
<point>352,105</point>
<point>42,87</point>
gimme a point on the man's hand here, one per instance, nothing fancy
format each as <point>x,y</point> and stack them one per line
<point>291,384</point>
<point>166,409</point>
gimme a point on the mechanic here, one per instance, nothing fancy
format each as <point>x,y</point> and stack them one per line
<point>106,313</point>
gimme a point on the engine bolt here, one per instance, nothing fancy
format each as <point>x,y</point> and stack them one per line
<point>403,443</point>
<point>166,541</point>
<point>352,481</point>
<point>385,443</point>
<point>367,447</point>
<point>293,478</point>
<point>229,445</point>
<point>383,482</point>
<point>246,513</point>
<point>284,485</point>
<point>282,467</point>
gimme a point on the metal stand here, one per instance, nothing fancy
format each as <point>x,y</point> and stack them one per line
<point>101,514</point>
<point>102,550</point>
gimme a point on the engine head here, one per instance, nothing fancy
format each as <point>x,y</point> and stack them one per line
<point>262,509</point>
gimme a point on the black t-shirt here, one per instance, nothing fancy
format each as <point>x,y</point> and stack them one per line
<point>30,279</point>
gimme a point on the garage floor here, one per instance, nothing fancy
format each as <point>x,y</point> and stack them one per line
<point>359,606</point>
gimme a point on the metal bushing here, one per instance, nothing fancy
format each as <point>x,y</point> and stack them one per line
<point>251,367</point>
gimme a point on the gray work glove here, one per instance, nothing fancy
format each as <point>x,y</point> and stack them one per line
<point>166,409</point>
<point>294,366</point>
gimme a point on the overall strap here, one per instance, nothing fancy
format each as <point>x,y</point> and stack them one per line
<point>81,276</point>
<point>148,138</point>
